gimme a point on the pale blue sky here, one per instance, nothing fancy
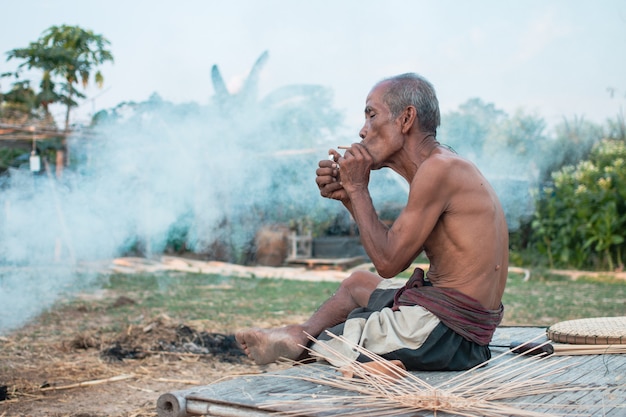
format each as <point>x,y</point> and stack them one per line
<point>555,58</point>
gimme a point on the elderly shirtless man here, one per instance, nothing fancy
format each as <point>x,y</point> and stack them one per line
<point>441,320</point>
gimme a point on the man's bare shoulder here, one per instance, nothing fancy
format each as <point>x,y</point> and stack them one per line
<point>446,167</point>
<point>455,181</point>
<point>446,157</point>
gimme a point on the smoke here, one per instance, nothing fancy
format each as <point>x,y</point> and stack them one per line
<point>154,174</point>
<point>509,150</point>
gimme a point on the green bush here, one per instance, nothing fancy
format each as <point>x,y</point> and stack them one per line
<point>581,217</point>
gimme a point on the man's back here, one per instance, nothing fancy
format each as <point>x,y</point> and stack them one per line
<point>468,245</point>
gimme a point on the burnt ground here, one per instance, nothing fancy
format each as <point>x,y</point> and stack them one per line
<point>50,368</point>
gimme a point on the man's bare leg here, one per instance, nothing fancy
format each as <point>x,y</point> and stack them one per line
<point>268,345</point>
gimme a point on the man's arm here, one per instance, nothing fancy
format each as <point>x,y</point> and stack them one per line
<point>393,249</point>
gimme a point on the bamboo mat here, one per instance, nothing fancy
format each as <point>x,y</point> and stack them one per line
<point>590,331</point>
<point>256,395</point>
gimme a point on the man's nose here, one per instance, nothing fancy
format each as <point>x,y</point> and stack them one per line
<point>362,133</point>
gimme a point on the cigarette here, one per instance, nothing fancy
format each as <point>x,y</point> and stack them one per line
<point>343,147</point>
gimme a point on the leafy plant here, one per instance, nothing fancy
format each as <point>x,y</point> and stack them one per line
<point>69,52</point>
<point>581,217</point>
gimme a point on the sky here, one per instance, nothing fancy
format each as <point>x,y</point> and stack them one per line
<point>552,58</point>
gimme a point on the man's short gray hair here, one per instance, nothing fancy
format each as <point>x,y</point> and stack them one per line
<point>411,89</point>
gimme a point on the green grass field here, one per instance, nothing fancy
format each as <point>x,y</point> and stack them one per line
<point>233,302</point>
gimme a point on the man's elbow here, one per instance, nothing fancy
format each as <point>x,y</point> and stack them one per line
<point>390,267</point>
<point>387,269</point>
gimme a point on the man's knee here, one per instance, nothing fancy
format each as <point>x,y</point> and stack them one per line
<point>360,285</point>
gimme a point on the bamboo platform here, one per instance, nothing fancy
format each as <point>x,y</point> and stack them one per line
<point>250,395</point>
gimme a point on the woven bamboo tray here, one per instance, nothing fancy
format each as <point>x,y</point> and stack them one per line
<point>591,331</point>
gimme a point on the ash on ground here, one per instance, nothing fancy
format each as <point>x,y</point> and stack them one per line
<point>222,346</point>
<point>161,337</point>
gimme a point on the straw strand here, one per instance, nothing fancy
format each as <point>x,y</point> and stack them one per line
<point>473,393</point>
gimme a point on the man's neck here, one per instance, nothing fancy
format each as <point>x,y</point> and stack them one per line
<point>426,147</point>
<point>415,152</point>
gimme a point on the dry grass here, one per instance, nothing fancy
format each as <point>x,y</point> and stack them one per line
<point>496,390</point>
<point>57,370</point>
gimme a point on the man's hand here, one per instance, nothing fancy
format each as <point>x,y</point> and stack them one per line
<point>356,165</point>
<point>328,178</point>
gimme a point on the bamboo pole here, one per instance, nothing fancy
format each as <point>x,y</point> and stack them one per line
<point>180,381</point>
<point>562,349</point>
<point>90,383</point>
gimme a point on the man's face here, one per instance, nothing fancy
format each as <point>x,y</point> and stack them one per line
<point>381,135</point>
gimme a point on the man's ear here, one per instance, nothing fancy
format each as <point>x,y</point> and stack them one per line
<point>408,118</point>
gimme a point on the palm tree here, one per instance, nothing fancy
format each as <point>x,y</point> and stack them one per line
<point>301,108</point>
<point>71,53</point>
<point>84,51</point>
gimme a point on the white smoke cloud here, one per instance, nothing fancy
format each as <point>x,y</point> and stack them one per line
<point>153,170</point>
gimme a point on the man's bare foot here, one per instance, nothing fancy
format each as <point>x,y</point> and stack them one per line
<point>265,346</point>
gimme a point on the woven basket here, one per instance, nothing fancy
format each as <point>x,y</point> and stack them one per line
<point>592,331</point>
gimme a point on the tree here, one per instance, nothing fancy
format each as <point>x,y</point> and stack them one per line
<point>68,52</point>
<point>21,98</point>
<point>575,139</point>
<point>515,146</point>
<point>301,108</point>
<point>467,129</point>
